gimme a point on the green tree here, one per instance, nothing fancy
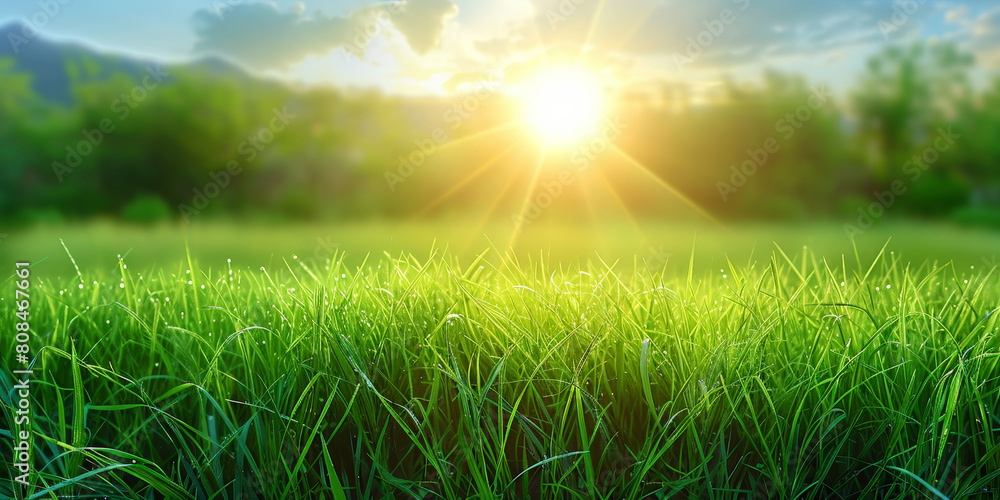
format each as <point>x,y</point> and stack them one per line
<point>906,93</point>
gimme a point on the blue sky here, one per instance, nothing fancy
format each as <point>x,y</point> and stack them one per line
<point>418,45</point>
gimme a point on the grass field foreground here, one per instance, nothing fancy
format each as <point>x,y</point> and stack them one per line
<point>407,378</point>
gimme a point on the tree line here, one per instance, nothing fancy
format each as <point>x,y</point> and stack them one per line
<point>916,135</point>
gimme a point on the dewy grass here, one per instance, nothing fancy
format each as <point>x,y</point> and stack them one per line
<point>791,378</point>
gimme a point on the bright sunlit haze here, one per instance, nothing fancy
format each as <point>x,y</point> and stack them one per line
<point>505,249</point>
<point>564,104</point>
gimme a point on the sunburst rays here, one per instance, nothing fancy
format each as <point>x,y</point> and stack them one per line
<point>467,179</point>
<point>614,153</point>
<point>665,185</point>
<point>478,135</point>
<point>520,217</point>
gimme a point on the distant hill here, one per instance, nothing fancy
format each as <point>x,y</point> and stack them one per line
<point>48,60</point>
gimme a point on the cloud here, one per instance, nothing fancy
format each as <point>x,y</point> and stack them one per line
<point>561,56</point>
<point>504,47</point>
<point>760,30</point>
<point>560,23</point>
<point>757,31</point>
<point>466,79</point>
<point>985,38</point>
<point>261,36</point>
<point>956,14</point>
<point>978,34</point>
<point>264,37</point>
<point>422,22</point>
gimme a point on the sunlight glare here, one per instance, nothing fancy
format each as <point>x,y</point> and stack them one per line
<point>564,105</point>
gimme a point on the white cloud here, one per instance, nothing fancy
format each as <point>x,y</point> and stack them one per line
<point>980,35</point>
<point>740,31</point>
<point>262,36</point>
<point>985,40</point>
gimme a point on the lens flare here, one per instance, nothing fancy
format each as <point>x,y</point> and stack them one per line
<point>564,105</point>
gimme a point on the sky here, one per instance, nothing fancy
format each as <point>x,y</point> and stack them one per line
<point>437,46</point>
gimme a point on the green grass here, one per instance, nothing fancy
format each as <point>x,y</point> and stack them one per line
<point>788,375</point>
<point>95,244</point>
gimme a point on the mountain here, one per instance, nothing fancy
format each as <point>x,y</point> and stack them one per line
<point>49,62</point>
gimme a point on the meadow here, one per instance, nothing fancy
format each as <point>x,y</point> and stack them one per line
<point>545,249</point>
<point>95,245</point>
<point>672,363</point>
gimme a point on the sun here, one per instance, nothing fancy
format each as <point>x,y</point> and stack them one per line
<point>564,105</point>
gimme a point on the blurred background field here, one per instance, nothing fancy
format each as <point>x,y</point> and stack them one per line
<point>331,181</point>
<point>663,191</point>
<point>657,247</point>
<point>88,134</point>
